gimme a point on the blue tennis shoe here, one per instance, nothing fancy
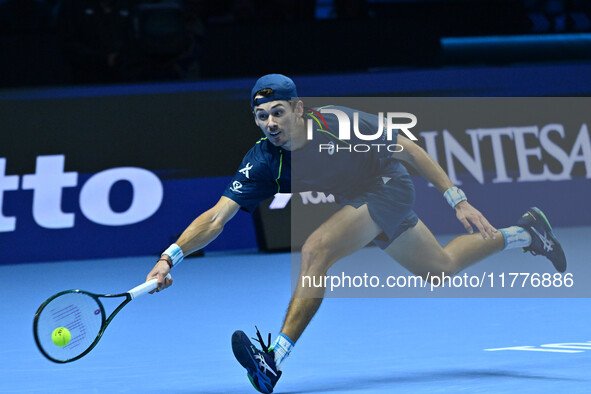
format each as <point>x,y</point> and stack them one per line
<point>260,365</point>
<point>543,240</point>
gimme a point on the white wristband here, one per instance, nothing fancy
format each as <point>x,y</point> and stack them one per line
<point>175,253</point>
<point>454,196</point>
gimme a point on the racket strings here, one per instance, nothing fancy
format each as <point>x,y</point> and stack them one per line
<point>81,314</point>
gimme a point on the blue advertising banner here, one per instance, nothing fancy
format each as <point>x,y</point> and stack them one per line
<point>120,171</point>
<point>126,211</point>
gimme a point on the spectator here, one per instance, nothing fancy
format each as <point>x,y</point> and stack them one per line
<point>24,15</point>
<point>94,36</point>
<point>127,40</point>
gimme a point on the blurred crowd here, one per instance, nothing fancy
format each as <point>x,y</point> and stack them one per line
<point>137,40</point>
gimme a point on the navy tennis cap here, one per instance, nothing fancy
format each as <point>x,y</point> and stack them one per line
<point>282,86</point>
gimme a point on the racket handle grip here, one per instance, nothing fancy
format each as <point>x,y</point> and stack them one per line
<point>144,288</point>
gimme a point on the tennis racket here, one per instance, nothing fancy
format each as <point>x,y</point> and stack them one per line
<point>83,314</point>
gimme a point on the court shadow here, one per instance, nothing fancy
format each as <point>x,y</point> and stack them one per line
<point>401,380</point>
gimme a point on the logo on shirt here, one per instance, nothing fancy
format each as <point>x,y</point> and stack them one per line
<point>245,170</point>
<point>281,199</point>
<point>236,186</point>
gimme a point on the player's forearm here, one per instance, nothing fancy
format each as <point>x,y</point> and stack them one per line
<point>204,229</point>
<point>429,169</point>
<point>200,233</point>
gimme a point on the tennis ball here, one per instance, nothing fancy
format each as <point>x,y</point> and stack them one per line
<point>61,336</point>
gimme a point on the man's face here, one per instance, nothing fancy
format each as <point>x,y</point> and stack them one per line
<point>279,122</point>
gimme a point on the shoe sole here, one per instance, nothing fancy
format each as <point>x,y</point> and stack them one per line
<point>559,266</point>
<point>244,357</point>
<point>241,351</point>
<point>539,212</point>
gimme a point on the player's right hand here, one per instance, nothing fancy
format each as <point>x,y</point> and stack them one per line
<point>160,270</point>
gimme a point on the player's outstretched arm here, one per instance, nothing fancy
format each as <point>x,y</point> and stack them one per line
<point>427,167</point>
<point>204,229</point>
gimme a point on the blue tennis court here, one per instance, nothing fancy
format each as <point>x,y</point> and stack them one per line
<point>178,341</point>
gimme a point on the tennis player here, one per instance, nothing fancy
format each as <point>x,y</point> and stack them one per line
<point>376,195</point>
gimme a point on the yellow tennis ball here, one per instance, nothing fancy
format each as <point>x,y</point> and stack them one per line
<point>61,336</point>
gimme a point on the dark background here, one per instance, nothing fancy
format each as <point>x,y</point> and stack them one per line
<point>56,42</point>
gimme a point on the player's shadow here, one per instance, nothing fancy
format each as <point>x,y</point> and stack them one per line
<point>425,377</point>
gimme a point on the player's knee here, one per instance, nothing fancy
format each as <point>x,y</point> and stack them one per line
<point>436,278</point>
<point>447,265</point>
<point>315,256</point>
<point>443,265</point>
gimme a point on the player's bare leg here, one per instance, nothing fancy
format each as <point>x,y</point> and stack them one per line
<point>419,251</point>
<point>345,232</point>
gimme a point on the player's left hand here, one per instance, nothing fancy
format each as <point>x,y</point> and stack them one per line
<point>469,216</point>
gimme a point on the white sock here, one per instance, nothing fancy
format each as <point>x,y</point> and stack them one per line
<point>516,237</point>
<point>282,347</point>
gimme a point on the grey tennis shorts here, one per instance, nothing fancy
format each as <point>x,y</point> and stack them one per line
<point>390,202</point>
